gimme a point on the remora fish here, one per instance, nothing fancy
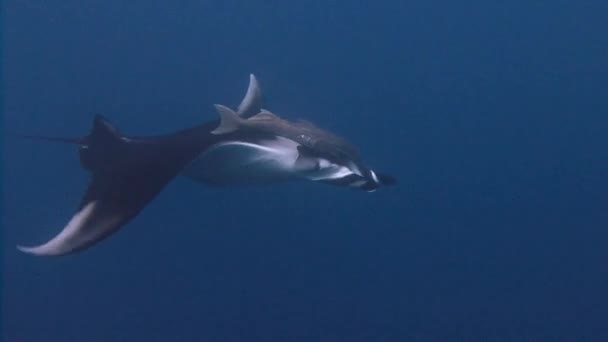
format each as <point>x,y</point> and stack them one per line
<point>243,148</point>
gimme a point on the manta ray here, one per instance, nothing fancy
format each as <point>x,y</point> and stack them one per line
<point>248,145</point>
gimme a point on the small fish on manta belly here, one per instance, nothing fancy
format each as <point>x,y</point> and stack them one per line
<point>249,145</point>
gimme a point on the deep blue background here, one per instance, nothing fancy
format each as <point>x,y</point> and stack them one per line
<point>493,115</point>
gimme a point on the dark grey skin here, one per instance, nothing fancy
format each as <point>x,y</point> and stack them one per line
<point>129,172</point>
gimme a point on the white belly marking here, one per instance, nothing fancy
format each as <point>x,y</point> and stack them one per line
<point>238,162</point>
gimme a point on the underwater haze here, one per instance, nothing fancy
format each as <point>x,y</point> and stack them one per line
<point>491,114</point>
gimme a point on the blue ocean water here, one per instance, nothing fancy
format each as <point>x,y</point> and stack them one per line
<point>492,115</point>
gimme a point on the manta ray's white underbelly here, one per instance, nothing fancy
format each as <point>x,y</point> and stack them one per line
<point>239,162</point>
<point>276,160</point>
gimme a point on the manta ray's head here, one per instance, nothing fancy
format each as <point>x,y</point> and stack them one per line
<point>371,180</point>
<point>360,177</point>
<point>341,169</point>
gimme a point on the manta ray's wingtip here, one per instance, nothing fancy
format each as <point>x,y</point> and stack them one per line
<point>40,250</point>
<point>252,102</point>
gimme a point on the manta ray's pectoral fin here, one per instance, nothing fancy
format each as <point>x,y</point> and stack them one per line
<point>126,176</point>
<point>252,102</point>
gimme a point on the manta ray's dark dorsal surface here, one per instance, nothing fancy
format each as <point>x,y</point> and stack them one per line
<point>129,172</point>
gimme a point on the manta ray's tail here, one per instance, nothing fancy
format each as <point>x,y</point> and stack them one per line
<point>126,175</point>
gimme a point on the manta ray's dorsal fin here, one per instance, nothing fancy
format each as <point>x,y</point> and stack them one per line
<point>264,115</point>
<point>252,102</point>
<point>230,120</point>
<point>266,111</point>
